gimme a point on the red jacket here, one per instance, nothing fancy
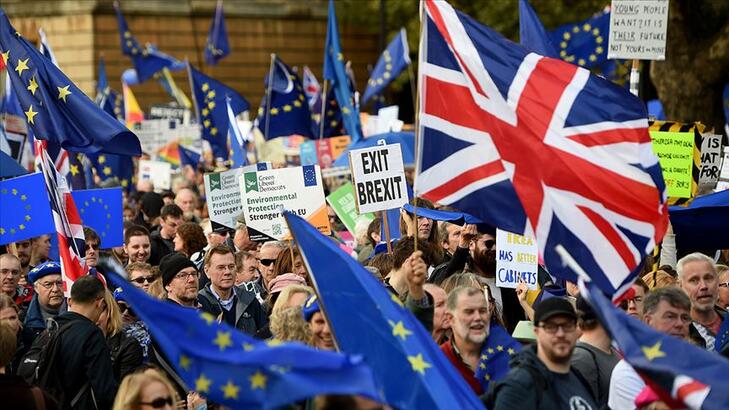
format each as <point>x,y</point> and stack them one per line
<point>468,375</point>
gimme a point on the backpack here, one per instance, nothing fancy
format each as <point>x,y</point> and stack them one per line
<point>37,367</point>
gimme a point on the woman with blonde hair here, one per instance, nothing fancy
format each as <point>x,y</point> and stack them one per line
<point>659,279</point>
<point>145,390</point>
<point>287,324</point>
<point>126,352</point>
<point>290,296</point>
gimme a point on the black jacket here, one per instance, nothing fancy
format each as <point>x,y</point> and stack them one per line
<point>85,357</point>
<point>250,316</point>
<point>126,354</point>
<point>159,247</point>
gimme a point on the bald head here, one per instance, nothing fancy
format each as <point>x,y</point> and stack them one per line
<point>186,199</point>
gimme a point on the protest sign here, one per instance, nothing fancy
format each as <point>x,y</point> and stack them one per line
<point>710,161</point>
<point>675,152</point>
<point>307,153</point>
<point>265,193</point>
<point>158,172</point>
<point>723,183</point>
<point>379,178</point>
<point>323,151</point>
<point>638,29</point>
<point>516,258</point>
<point>344,204</point>
<point>222,192</point>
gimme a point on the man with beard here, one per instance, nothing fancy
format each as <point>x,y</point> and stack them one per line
<point>697,277</point>
<point>23,252</point>
<point>541,376</point>
<point>179,278</point>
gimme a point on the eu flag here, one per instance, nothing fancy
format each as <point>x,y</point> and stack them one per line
<point>216,46</point>
<point>493,364</point>
<point>55,109</point>
<point>109,100</point>
<point>210,97</point>
<point>532,34</point>
<point>238,151</point>
<point>120,167</point>
<point>390,64</point>
<point>678,370</point>
<point>101,209</point>
<point>721,344</point>
<point>236,370</point>
<point>24,208</point>
<point>410,369</point>
<point>335,72</point>
<point>188,157</point>
<point>147,60</point>
<point>284,110</point>
<point>584,43</point>
<point>8,166</point>
<point>333,124</point>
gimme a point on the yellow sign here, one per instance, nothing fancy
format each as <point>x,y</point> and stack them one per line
<point>675,151</point>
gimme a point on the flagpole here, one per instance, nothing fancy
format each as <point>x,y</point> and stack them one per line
<point>386,225</point>
<point>418,153</point>
<point>635,77</point>
<point>268,96</point>
<point>323,108</point>
<point>194,38</point>
<point>195,106</point>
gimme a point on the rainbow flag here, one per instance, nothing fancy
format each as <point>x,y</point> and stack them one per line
<point>132,113</point>
<point>170,153</point>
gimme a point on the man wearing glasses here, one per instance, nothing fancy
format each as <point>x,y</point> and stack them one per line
<point>266,257</point>
<point>48,301</point>
<point>541,376</point>
<point>179,278</point>
<point>10,272</point>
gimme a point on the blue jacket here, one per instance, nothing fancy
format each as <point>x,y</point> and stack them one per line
<point>34,324</point>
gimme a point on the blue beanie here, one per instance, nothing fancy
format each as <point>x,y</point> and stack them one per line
<point>44,269</point>
<point>310,307</point>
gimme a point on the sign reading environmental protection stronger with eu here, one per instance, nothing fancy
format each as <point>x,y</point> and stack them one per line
<point>297,189</point>
<point>379,178</point>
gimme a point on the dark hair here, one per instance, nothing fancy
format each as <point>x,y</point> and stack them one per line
<point>406,246</point>
<point>171,210</point>
<point>193,237</point>
<point>434,237</point>
<point>674,296</point>
<point>8,344</point>
<point>220,249</point>
<point>640,282</point>
<point>284,263</point>
<point>240,258</point>
<point>135,230</point>
<point>374,227</point>
<point>90,234</point>
<point>383,263</point>
<point>87,289</point>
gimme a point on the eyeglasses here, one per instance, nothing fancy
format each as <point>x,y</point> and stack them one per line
<point>724,285</point>
<point>551,328</point>
<point>267,262</point>
<point>185,276</point>
<point>625,302</point>
<point>94,246</point>
<point>142,279</point>
<point>158,403</point>
<point>49,285</point>
<point>124,308</point>
<point>489,243</point>
<point>11,272</point>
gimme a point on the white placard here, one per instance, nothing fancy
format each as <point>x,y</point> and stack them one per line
<point>265,193</point>
<point>378,175</point>
<point>638,29</point>
<point>710,161</point>
<point>222,193</point>
<point>516,256</point>
<point>724,175</point>
<point>160,173</point>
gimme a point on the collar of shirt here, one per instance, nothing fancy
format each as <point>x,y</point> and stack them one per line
<point>226,304</point>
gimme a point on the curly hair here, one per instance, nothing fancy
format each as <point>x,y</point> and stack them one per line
<point>193,238</point>
<point>289,325</point>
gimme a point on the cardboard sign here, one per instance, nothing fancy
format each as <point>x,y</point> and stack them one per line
<point>222,192</point>
<point>723,183</point>
<point>379,178</point>
<point>710,161</point>
<point>323,151</point>
<point>159,172</point>
<point>265,193</point>
<point>344,204</point>
<point>516,257</point>
<point>638,29</point>
<point>675,151</point>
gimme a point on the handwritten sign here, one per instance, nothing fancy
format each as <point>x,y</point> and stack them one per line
<point>379,178</point>
<point>638,29</point>
<point>710,161</point>
<point>516,259</point>
<point>675,151</point>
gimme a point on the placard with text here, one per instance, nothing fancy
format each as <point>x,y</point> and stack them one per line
<point>378,175</point>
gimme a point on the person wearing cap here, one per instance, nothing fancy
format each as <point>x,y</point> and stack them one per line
<point>541,376</point>
<point>179,278</point>
<point>48,301</point>
<point>223,299</point>
<point>136,244</point>
<point>321,334</point>
<point>594,357</point>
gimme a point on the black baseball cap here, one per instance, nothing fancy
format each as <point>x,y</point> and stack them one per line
<point>553,307</point>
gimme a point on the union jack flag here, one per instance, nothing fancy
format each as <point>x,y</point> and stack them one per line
<point>538,146</point>
<point>71,241</point>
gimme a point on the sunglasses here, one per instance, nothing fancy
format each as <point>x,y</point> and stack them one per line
<point>142,279</point>
<point>158,403</point>
<point>489,243</point>
<point>267,262</point>
<point>124,308</point>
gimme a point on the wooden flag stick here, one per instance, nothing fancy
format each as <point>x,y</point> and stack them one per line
<point>386,224</point>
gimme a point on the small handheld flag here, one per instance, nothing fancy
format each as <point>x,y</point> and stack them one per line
<point>24,208</point>
<point>216,45</point>
<point>101,209</point>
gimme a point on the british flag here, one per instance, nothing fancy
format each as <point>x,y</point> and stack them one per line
<point>71,242</point>
<point>537,146</point>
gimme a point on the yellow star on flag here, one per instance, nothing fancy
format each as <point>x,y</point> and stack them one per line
<point>222,340</point>
<point>653,352</point>
<point>205,112</point>
<point>500,348</point>
<point>63,92</point>
<point>396,299</point>
<point>484,357</point>
<point>6,55</point>
<point>248,347</point>
<point>419,365</point>
<point>399,330</point>
<point>21,226</point>
<point>207,317</point>
<point>230,390</point>
<point>482,365</point>
<point>30,114</point>
<point>211,94</point>
<point>32,85</point>
<point>205,86</point>
<point>273,342</point>
<point>206,123</point>
<point>102,159</point>
<point>202,384</point>
<point>345,110</point>
<point>22,66</point>
<point>107,170</point>
<point>274,111</point>
<point>287,108</point>
<point>214,131</point>
<point>258,380</point>
<point>2,231</point>
<point>27,218</point>
<point>211,104</point>
<point>185,362</point>
<point>297,103</point>
<point>511,351</point>
<point>14,191</point>
<point>74,169</point>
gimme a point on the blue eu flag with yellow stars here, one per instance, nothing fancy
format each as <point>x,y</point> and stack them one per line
<point>216,46</point>
<point>333,124</point>
<point>55,109</point>
<point>393,60</point>
<point>188,157</point>
<point>410,369</point>
<point>236,370</point>
<point>109,166</point>
<point>25,211</point>
<point>493,364</point>
<point>336,73</point>
<point>584,43</point>
<point>682,374</point>
<point>284,110</point>
<point>101,209</point>
<point>109,100</point>
<point>210,96</point>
